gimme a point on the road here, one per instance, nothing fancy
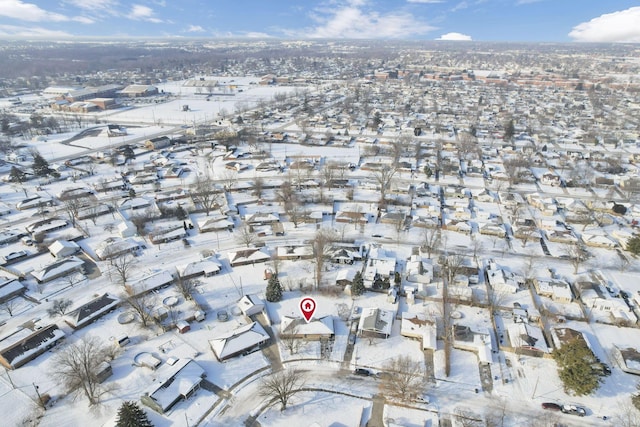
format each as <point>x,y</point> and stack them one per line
<point>446,398</point>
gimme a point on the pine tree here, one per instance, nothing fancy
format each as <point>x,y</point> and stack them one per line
<point>633,245</point>
<point>131,415</point>
<point>578,368</point>
<point>40,166</point>
<point>357,287</point>
<point>274,289</point>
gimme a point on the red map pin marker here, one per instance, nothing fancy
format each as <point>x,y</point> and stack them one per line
<point>307,308</point>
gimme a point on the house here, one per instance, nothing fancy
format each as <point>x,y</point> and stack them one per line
<point>126,229</point>
<point>314,330</point>
<point>215,223</point>
<point>113,247</point>
<point>174,383</point>
<point>242,340</point>
<point>344,253</point>
<point>167,234</point>
<point>205,267</point>
<point>149,283</point>
<point>58,269</point>
<point>63,248</point>
<point>248,256</point>
<point>557,290</point>
<point>375,322</point>
<point>598,239</point>
<point>477,340</point>
<point>89,312</point>
<point>628,359</point>
<point>251,305</point>
<point>345,277</point>
<point>46,226</point>
<point>262,218</point>
<point>418,326</point>
<point>24,346</point>
<point>501,280</point>
<point>527,339</point>
<point>294,252</point>
<point>10,288</point>
<point>158,143</point>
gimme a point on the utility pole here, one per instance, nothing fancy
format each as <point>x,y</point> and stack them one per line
<point>40,401</point>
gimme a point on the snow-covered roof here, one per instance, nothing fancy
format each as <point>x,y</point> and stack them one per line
<point>238,340</point>
<point>57,269</point>
<point>24,348</point>
<point>90,311</point>
<point>296,326</point>
<point>376,320</point>
<point>175,382</point>
<point>250,305</point>
<point>150,282</point>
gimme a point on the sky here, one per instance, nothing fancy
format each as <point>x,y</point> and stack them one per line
<point>478,20</point>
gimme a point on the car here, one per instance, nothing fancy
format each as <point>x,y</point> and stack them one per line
<point>362,372</point>
<point>551,406</point>
<point>352,339</point>
<point>574,410</point>
<point>422,399</point>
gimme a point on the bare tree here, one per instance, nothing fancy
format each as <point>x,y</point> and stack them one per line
<point>72,207</point>
<point>321,244</point>
<point>142,305</point>
<point>407,378</point>
<point>281,387</point>
<point>59,307</point>
<point>577,254</point>
<point>204,193</point>
<point>466,418</point>
<point>245,235</point>
<point>228,178</point>
<point>430,240</point>
<point>495,413</point>
<point>9,306</point>
<point>627,415</point>
<point>122,266</point>
<point>258,187</point>
<point>383,178</point>
<point>291,340</point>
<point>76,367</point>
<point>186,287</point>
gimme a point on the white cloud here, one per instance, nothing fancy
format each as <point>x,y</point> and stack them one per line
<point>17,9</point>
<point>621,26</point>
<point>425,1</point>
<point>350,20</point>
<point>143,13</point>
<point>95,5</point>
<point>460,6</point>
<point>455,37</point>
<point>195,29</point>
<point>35,32</point>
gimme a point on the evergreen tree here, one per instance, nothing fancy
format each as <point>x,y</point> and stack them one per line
<point>578,368</point>
<point>40,166</point>
<point>17,175</point>
<point>357,287</point>
<point>633,245</point>
<point>131,415</point>
<point>274,289</point>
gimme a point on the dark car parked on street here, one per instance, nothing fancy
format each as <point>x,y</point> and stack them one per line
<point>551,406</point>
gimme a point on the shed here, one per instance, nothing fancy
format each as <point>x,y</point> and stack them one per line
<point>183,326</point>
<point>63,248</point>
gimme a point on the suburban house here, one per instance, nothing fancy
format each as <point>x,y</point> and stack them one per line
<point>10,288</point>
<point>158,143</point>
<point>113,247</point>
<point>215,223</point>
<point>146,284</point>
<point>419,327</point>
<point>174,383</point>
<point>248,256</point>
<point>477,340</point>
<point>242,340</point>
<point>629,359</point>
<point>91,311</point>
<point>602,305</point>
<point>557,290</point>
<point>25,345</point>
<point>63,248</point>
<point>294,252</point>
<point>501,280</point>
<point>314,330</point>
<point>61,268</point>
<point>527,339</point>
<point>375,322</point>
<point>344,253</point>
<point>205,267</point>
